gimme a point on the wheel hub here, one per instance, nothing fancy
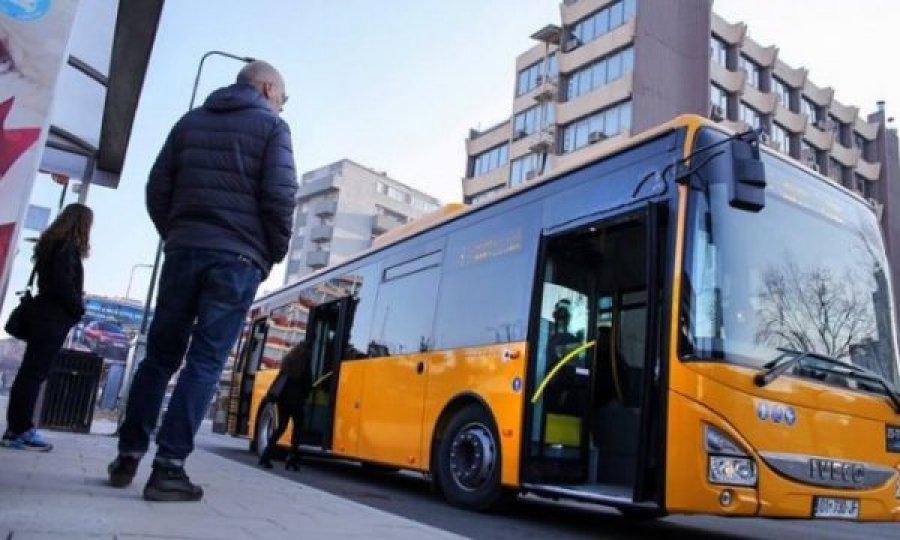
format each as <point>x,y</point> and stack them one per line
<point>472,456</point>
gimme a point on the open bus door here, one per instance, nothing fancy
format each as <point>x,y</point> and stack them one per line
<point>241,394</point>
<point>326,338</point>
<point>594,409</point>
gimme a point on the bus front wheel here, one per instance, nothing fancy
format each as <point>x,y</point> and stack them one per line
<point>468,460</point>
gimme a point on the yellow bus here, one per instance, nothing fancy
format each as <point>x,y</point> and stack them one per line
<point>691,323</point>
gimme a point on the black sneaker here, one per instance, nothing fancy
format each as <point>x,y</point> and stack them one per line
<point>122,470</point>
<point>170,483</point>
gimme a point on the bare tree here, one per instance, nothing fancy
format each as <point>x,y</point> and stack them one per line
<point>814,310</point>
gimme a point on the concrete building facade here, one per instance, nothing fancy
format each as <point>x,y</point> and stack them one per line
<point>341,208</point>
<point>614,68</point>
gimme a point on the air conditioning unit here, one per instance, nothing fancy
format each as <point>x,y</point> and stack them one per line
<point>717,113</point>
<point>521,133</point>
<point>764,138</point>
<point>539,79</point>
<point>814,166</point>
<point>571,44</point>
<point>596,136</point>
<point>531,175</point>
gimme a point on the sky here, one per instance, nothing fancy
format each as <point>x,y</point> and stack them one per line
<point>396,84</point>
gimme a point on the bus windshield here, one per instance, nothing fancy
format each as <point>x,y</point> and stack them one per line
<point>808,273</point>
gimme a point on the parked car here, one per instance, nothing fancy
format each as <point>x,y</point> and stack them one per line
<point>106,339</point>
<point>78,329</point>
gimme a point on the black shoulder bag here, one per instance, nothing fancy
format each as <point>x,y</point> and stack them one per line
<point>20,319</point>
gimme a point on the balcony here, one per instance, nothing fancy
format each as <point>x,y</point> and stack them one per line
<point>382,224</point>
<point>321,233</point>
<point>868,170</point>
<point>732,81</point>
<point>497,177</point>
<point>324,208</point>
<point>844,155</point>
<point>794,122</point>
<point>317,259</point>
<point>479,142</point>
<point>821,139</point>
<point>764,102</point>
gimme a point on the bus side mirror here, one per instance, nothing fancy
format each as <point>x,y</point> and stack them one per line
<point>747,185</point>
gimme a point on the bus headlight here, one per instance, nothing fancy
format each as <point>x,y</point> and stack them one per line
<point>729,464</point>
<point>732,471</point>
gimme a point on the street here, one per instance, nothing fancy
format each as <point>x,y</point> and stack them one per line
<point>409,496</point>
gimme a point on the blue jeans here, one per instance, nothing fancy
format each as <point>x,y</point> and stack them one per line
<point>203,298</point>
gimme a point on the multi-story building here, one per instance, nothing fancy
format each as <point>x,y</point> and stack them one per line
<point>614,68</point>
<point>341,208</point>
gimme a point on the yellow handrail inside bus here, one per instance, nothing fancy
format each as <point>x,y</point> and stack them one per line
<point>320,379</point>
<point>557,367</point>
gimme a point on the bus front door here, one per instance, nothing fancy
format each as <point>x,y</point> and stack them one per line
<point>586,418</point>
<point>326,337</point>
<point>244,378</point>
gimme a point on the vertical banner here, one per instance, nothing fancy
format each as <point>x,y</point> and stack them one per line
<point>34,37</point>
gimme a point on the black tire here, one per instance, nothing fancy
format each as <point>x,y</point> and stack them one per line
<point>265,425</point>
<point>468,463</point>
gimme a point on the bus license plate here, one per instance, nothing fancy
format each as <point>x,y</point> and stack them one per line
<point>834,508</point>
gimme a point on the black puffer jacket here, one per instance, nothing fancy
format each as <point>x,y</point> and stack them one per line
<point>60,277</point>
<point>225,179</point>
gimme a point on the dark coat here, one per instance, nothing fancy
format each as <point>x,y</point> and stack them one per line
<point>60,277</point>
<point>225,179</point>
<point>293,383</point>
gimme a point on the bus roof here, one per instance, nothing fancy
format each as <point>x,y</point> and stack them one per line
<point>453,211</point>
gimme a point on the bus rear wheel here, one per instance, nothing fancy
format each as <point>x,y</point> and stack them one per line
<point>468,460</point>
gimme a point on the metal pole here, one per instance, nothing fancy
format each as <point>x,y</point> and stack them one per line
<point>138,349</point>
<point>131,278</point>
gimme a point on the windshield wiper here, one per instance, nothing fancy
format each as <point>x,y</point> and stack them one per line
<point>776,369</point>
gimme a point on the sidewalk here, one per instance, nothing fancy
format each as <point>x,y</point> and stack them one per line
<point>63,494</point>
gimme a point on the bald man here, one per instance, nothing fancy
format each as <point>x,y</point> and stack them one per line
<point>221,195</point>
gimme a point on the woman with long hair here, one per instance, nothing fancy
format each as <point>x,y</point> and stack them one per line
<point>57,307</point>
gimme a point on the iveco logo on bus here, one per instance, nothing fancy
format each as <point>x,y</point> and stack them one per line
<point>832,472</point>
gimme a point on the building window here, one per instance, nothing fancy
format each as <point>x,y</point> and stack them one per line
<point>530,77</point>
<point>750,115</point>
<point>810,109</point>
<point>751,69</point>
<point>596,127</point>
<point>809,155</point>
<point>718,97</point>
<point>387,212</point>
<point>423,205</point>
<point>533,119</point>
<point>524,168</point>
<point>781,138</point>
<point>484,196</point>
<point>718,51</point>
<point>600,73</point>
<point>783,92</point>
<point>835,171</point>
<point>490,159</point>
<point>601,23</point>
<point>837,128</point>
<point>381,187</point>
<point>865,187</point>
<point>860,143</point>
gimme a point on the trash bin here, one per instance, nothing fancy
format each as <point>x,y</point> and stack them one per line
<point>70,392</point>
